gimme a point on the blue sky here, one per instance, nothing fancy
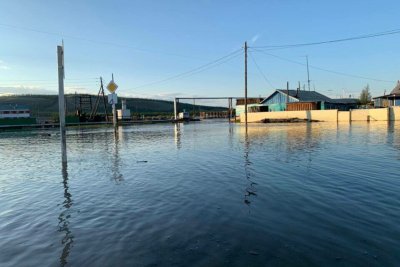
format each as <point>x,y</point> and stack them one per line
<point>146,41</point>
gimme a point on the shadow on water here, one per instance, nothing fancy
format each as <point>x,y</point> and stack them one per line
<point>250,191</point>
<point>64,219</point>
<point>116,173</point>
<point>231,134</point>
<point>393,135</point>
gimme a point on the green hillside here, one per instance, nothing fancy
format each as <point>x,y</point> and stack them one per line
<point>45,105</point>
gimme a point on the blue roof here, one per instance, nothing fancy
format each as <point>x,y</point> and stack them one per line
<point>13,107</point>
<point>302,96</point>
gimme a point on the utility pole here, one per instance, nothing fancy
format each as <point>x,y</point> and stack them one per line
<point>104,98</point>
<point>308,75</point>
<point>298,90</point>
<point>61,101</point>
<point>287,96</point>
<point>245,83</point>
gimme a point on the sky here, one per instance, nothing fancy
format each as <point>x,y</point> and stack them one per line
<point>145,43</point>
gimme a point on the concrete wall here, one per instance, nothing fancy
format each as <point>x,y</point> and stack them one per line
<point>378,114</point>
<point>359,115</point>
<point>343,116</point>
<point>320,115</point>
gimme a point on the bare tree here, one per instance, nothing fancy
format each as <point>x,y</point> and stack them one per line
<point>365,96</point>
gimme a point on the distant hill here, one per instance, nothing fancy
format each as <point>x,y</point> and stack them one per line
<point>48,104</point>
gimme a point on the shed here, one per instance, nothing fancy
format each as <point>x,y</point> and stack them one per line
<point>14,111</point>
<point>253,105</point>
<point>388,100</point>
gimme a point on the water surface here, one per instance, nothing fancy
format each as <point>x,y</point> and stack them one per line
<point>202,194</point>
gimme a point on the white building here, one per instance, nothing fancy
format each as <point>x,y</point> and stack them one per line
<point>124,113</point>
<point>184,115</point>
<point>14,111</point>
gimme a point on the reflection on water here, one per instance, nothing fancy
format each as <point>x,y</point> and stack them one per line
<point>115,168</point>
<point>64,219</point>
<point>250,191</point>
<point>177,135</point>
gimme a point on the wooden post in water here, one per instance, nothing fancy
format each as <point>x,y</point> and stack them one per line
<point>245,83</point>
<point>61,101</point>
<point>175,108</point>
<point>231,114</point>
<point>228,113</point>
<point>114,111</point>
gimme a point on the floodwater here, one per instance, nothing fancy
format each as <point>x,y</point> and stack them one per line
<point>202,194</point>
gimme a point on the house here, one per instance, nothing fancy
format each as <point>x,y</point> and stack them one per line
<point>292,100</point>
<point>14,111</point>
<point>392,99</point>
<point>343,104</point>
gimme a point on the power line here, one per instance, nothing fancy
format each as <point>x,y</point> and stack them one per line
<point>196,70</point>
<point>260,71</point>
<point>47,80</point>
<point>365,36</point>
<point>65,36</point>
<point>323,69</point>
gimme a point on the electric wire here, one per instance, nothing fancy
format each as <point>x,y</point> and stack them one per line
<point>260,71</point>
<point>65,36</point>
<point>323,69</point>
<point>365,36</point>
<point>196,70</point>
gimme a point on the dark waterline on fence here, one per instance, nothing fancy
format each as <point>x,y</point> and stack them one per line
<point>202,194</point>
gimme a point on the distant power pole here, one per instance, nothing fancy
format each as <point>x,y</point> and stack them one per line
<point>245,83</point>
<point>287,96</point>
<point>104,98</point>
<point>308,75</point>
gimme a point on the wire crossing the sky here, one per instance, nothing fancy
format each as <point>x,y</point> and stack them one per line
<point>365,36</point>
<point>199,69</point>
<point>323,69</point>
<point>66,36</point>
<point>261,72</point>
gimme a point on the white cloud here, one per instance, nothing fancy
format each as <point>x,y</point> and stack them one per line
<point>3,65</point>
<point>79,90</point>
<point>23,89</point>
<point>18,89</point>
<point>255,38</point>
